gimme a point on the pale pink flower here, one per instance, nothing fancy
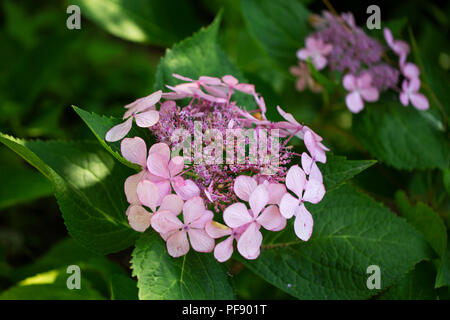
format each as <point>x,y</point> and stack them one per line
<point>410,71</point>
<point>195,216</point>
<point>310,168</point>
<point>142,110</point>
<point>360,88</point>
<point>306,191</point>
<point>223,250</point>
<point>410,93</point>
<point>400,47</point>
<point>166,172</point>
<point>304,78</point>
<point>315,49</point>
<point>249,221</point>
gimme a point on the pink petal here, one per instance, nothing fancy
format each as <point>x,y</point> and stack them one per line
<point>147,119</point>
<point>210,80</point>
<point>119,131</point>
<point>410,71</point>
<point>250,241</point>
<point>364,81</point>
<point>163,185</point>
<point>176,165</point>
<point>315,173</point>
<point>200,241</point>
<point>370,94</point>
<point>307,162</point>
<point>319,62</point>
<point>244,186</point>
<point>288,117</point>
<point>230,80</point>
<point>148,194</point>
<point>177,244</point>
<point>303,224</point>
<point>315,149</point>
<point>354,102</point>
<point>419,101</point>
<point>281,226</point>
<point>270,218</point>
<point>303,54</point>
<point>180,77</point>
<point>349,82</point>
<point>193,209</point>
<point>130,187</point>
<point>165,221</point>
<point>172,203</point>
<point>258,199</point>
<point>203,220</point>
<point>217,230</point>
<point>276,192</point>
<point>185,188</point>
<point>289,205</point>
<point>134,150</point>
<point>224,250</point>
<point>157,165</point>
<point>161,148</point>
<point>414,84</point>
<point>245,87</point>
<point>236,215</point>
<point>388,37</point>
<point>295,180</point>
<point>139,218</point>
<point>314,191</point>
<point>404,99</point>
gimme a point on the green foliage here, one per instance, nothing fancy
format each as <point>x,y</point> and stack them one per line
<point>88,187</point>
<point>443,276</point>
<point>338,169</point>
<point>142,21</point>
<point>424,220</point>
<point>401,137</point>
<point>279,26</point>
<point>99,125</point>
<point>194,276</point>
<point>351,232</point>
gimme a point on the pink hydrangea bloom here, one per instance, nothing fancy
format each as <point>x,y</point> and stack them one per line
<point>142,110</point>
<point>400,47</point>
<point>223,250</point>
<point>306,191</point>
<point>410,94</point>
<point>248,221</point>
<point>165,172</point>
<point>195,216</point>
<point>317,50</point>
<point>360,88</point>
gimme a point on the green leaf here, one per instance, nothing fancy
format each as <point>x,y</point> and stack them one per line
<point>401,137</point>
<point>443,276</point>
<point>338,169</point>
<point>88,186</point>
<point>279,26</point>
<point>50,285</point>
<point>144,21</point>
<point>23,185</point>
<point>424,220</point>
<point>199,55</point>
<point>194,276</point>
<point>99,125</point>
<point>415,285</point>
<point>123,287</point>
<point>351,232</point>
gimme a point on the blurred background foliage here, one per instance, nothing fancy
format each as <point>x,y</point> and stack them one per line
<point>112,60</point>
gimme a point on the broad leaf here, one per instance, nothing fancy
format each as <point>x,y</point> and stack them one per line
<point>338,169</point>
<point>351,232</point>
<point>99,125</point>
<point>401,137</point>
<point>50,285</point>
<point>199,55</point>
<point>443,276</point>
<point>123,287</point>
<point>194,276</point>
<point>417,284</point>
<point>279,26</point>
<point>424,220</point>
<point>88,186</point>
<point>142,21</point>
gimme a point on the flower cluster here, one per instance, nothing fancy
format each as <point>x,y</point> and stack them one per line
<point>192,203</point>
<point>339,43</point>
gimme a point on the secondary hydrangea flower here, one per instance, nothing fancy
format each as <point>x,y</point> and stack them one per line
<point>361,61</point>
<point>142,110</point>
<point>169,183</point>
<point>195,216</point>
<point>310,190</point>
<point>410,93</point>
<point>360,88</point>
<point>316,50</point>
<point>304,79</point>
